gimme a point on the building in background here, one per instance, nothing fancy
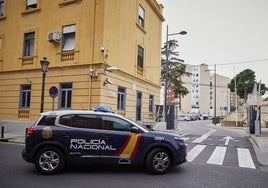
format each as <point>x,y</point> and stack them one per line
<point>200,89</point>
<point>222,95</point>
<point>200,85</point>
<point>83,40</point>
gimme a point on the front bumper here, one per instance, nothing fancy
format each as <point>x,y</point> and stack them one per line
<point>181,155</point>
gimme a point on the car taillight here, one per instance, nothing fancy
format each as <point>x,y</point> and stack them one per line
<point>31,131</point>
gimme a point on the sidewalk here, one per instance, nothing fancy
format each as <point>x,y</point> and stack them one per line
<point>260,145</point>
<point>14,131</point>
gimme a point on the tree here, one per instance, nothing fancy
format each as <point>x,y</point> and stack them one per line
<point>245,82</point>
<point>176,68</point>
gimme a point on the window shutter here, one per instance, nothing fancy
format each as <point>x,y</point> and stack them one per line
<point>31,2</point>
<point>69,29</point>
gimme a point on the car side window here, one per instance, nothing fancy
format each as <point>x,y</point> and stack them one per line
<point>47,120</point>
<point>87,121</point>
<point>114,123</point>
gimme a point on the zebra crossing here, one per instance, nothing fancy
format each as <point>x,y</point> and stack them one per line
<point>218,154</point>
<point>217,157</point>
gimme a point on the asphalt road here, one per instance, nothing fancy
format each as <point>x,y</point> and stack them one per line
<point>196,173</point>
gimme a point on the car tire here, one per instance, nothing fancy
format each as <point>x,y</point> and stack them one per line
<point>158,161</point>
<point>49,160</point>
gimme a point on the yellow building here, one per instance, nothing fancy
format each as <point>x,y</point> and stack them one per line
<point>83,40</point>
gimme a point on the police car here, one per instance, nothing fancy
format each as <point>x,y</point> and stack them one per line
<point>61,137</point>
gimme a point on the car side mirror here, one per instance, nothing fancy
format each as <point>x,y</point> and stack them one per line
<point>135,129</point>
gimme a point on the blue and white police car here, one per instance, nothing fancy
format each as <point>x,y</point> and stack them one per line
<point>61,137</point>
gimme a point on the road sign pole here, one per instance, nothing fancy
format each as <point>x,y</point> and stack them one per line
<point>53,99</point>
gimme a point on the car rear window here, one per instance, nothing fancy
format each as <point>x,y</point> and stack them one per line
<point>87,121</point>
<point>47,120</point>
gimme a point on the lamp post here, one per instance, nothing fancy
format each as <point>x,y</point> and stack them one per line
<point>166,71</point>
<point>215,90</point>
<point>236,104</point>
<point>44,67</point>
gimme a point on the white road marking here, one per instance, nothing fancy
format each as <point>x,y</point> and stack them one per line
<point>194,152</point>
<point>227,139</point>
<point>204,136</point>
<point>244,158</point>
<point>217,156</point>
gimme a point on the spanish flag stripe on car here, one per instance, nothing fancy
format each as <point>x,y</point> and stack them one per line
<point>136,146</point>
<point>130,147</point>
<point>124,146</point>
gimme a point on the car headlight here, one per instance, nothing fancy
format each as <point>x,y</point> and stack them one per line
<point>179,140</point>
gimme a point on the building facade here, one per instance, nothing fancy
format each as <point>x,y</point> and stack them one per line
<point>84,41</point>
<point>201,96</point>
<point>200,89</point>
<point>222,95</point>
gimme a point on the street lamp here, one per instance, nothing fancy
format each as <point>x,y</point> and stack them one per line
<point>166,70</point>
<point>215,90</point>
<point>44,67</point>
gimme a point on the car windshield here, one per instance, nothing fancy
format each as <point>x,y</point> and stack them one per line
<point>137,124</point>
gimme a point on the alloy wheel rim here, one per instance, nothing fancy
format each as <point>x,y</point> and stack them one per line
<point>49,161</point>
<point>161,161</point>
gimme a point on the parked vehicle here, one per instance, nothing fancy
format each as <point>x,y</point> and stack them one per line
<point>184,118</point>
<point>203,116</point>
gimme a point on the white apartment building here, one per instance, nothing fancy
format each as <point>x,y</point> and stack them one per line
<point>222,95</point>
<point>201,87</point>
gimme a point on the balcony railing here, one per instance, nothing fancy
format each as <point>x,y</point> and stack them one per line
<point>27,60</point>
<point>23,114</point>
<point>67,56</point>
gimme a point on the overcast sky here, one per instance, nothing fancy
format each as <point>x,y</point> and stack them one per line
<point>230,33</point>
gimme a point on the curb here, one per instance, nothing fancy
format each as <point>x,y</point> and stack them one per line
<point>260,154</point>
<point>12,140</point>
<point>4,139</point>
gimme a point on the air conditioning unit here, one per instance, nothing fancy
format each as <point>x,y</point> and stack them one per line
<point>54,37</point>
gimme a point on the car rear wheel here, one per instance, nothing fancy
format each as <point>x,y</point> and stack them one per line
<point>158,161</point>
<point>49,160</point>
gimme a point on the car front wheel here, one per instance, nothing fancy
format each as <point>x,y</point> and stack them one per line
<point>49,160</point>
<point>158,161</point>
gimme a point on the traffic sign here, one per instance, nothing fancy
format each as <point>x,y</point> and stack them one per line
<point>53,91</point>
